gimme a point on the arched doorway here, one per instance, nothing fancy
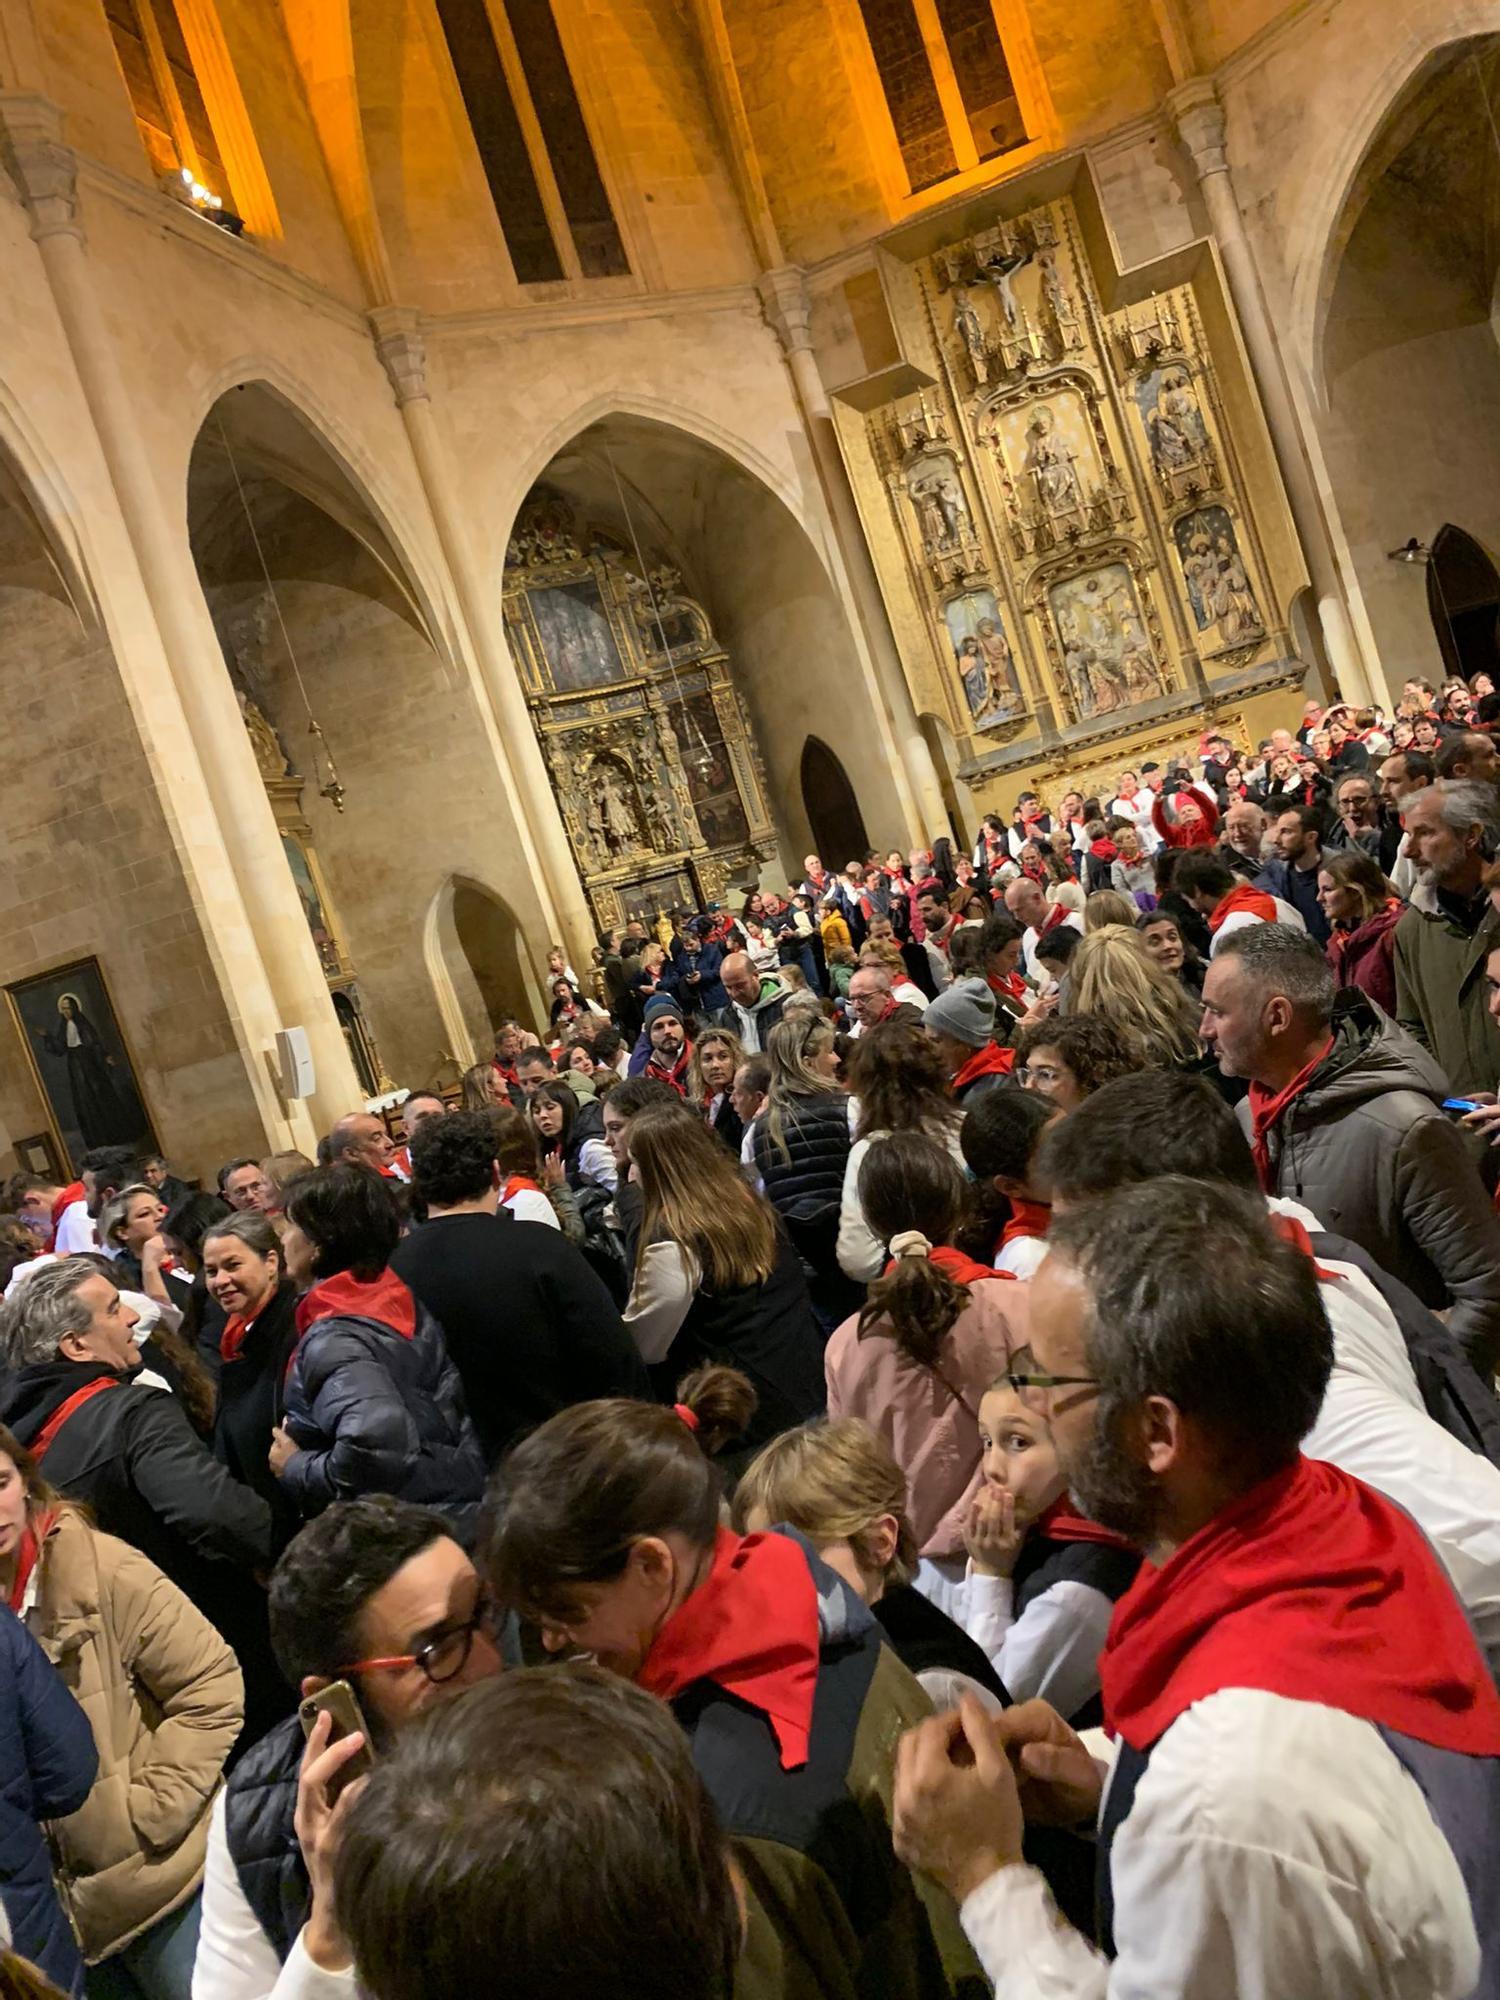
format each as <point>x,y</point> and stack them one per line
<point>1463,601</point>
<point>1410,363</point>
<point>479,968</point>
<point>838,827</point>
<point>658,502</point>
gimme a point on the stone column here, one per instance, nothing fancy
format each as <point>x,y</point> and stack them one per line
<point>544,853</point>
<point>228,841</point>
<point>788,310</point>
<point>1199,117</point>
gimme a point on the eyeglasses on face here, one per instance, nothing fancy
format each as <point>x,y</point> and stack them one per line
<point>443,1657</point>
<point>1023,1375</point>
<point>1040,1076</point>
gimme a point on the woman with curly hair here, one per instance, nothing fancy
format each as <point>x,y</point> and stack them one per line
<point>1115,979</point>
<point>1068,1058</point>
<point>898,1083</point>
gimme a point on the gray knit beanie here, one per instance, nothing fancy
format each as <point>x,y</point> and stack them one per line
<point>966,1012</point>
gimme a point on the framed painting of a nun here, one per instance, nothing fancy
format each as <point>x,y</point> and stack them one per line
<point>67,1025</point>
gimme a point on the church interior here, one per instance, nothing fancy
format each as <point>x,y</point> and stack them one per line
<point>473,472</point>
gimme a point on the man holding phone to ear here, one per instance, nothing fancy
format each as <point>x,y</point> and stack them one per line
<point>374,1596</point>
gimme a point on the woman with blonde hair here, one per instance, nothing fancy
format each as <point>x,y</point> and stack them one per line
<point>483,1088</point>
<point>165,1701</point>
<point>716,1055</point>
<point>715,1279</point>
<point>800,1152</point>
<point>837,1484</point>
<point>1114,979</point>
<point>1108,906</point>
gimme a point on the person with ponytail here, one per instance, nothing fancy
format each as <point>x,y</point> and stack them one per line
<point>933,1334</point>
<point>604,1528</point>
<point>715,1278</point>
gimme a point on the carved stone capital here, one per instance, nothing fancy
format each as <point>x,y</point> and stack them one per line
<point>1199,117</point>
<point>402,347</point>
<point>787,307</point>
<point>42,165</point>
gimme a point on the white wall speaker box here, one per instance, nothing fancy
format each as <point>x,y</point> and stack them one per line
<point>294,1063</point>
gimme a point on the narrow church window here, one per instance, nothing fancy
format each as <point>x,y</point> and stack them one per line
<point>165,94</point>
<point>910,91</point>
<point>497,132</point>
<point>947,84</point>
<point>591,222</point>
<point>983,75</point>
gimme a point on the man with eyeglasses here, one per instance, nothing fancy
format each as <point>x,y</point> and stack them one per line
<point>1306,1741</point>
<point>377,1593</point>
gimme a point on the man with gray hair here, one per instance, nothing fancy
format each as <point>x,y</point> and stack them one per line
<point>1442,942</point>
<point>1344,1115</point>
<point>126,1451</point>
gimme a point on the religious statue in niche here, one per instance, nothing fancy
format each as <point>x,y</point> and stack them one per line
<point>1058,305</point>
<point>1182,455</point>
<point>1051,465</point>
<point>970,330</point>
<point>985,660</point>
<point>942,511</point>
<point>1108,662</point>
<point>1218,584</point>
<point>612,812</point>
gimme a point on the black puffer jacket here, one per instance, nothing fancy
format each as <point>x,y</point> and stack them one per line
<point>805,1185</point>
<point>1367,1147</point>
<point>259,1804</point>
<point>377,1409</point>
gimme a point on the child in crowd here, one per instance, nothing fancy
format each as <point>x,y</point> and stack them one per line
<point>999,1140</point>
<point>1042,1581</point>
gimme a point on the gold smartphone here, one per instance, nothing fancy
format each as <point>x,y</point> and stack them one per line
<point>338,1700</point>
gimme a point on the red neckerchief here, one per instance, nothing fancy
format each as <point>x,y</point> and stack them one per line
<point>676,1075</point>
<point>32,1537</point>
<point>960,1267</point>
<point>1062,1522</point>
<point>343,1295</point>
<point>1012,987</point>
<point>42,1443</point>
<point>1035,871</point>
<point>401,1161</point>
<point>236,1332</point>
<point>74,1191</point>
<point>1267,1109</point>
<point>988,1061</point>
<point>1027,1218</point>
<point>1058,914</point>
<point>507,1074</point>
<point>518,1184</point>
<point>1104,850</point>
<point>1290,1230</point>
<point>1243,897</point>
<point>1314,1587</point>
<point>751,1627</point>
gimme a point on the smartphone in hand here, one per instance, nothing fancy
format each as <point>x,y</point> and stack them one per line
<point>338,1700</point>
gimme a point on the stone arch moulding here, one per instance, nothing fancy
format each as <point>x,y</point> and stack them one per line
<point>427,591</point>
<point>675,416</point>
<point>1334,171</point>
<point>828,797</point>
<point>440,936</point>
<point>41,488</point>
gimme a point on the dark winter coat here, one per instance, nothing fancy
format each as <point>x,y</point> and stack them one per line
<point>1366,957</point>
<point>1441,996</point>
<point>805,1185</point>
<point>375,1412</point>
<point>250,1406</point>
<point>1299,887</point>
<point>47,1767</point>
<point>1368,1149</point>
<point>259,1804</point>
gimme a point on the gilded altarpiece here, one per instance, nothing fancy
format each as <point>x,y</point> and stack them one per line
<point>656,773</point>
<point>1068,496</point>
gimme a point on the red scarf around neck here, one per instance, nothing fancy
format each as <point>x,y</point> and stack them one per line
<point>991,1060</point>
<point>33,1535</point>
<point>1290,1230</point>
<point>751,1627</point>
<point>1243,898</point>
<point>1268,1108</point>
<point>1027,1218</point>
<point>518,1184</point>
<point>74,1191</point>
<point>956,1264</point>
<point>237,1329</point>
<point>1011,987</point>
<point>1062,1522</point>
<point>675,1073</point>
<point>1311,1586</point>
<point>1058,914</point>
<point>343,1296</point>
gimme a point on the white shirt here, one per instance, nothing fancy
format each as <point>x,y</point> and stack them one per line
<point>1051,1652</point>
<point>75,1230</point>
<point>236,1960</point>
<point>906,994</point>
<point>1021,1256</point>
<point>1036,971</point>
<point>531,1205</point>
<point>861,1252</point>
<point>1275,1850</point>
<point>1138,812</point>
<point>1374,1424</point>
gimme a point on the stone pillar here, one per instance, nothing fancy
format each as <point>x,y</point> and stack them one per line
<point>1199,117</point>
<point>228,841</point>
<point>787,308</point>
<point>545,853</point>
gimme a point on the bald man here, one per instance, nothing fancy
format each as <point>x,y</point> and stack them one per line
<point>1030,908</point>
<point>755,1004</point>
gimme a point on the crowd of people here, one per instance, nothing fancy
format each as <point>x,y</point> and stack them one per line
<point>933,1434</point>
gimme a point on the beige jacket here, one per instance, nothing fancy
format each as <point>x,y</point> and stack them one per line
<point>164,1698</point>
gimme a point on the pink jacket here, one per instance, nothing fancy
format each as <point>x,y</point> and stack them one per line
<point>930,1418</point>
